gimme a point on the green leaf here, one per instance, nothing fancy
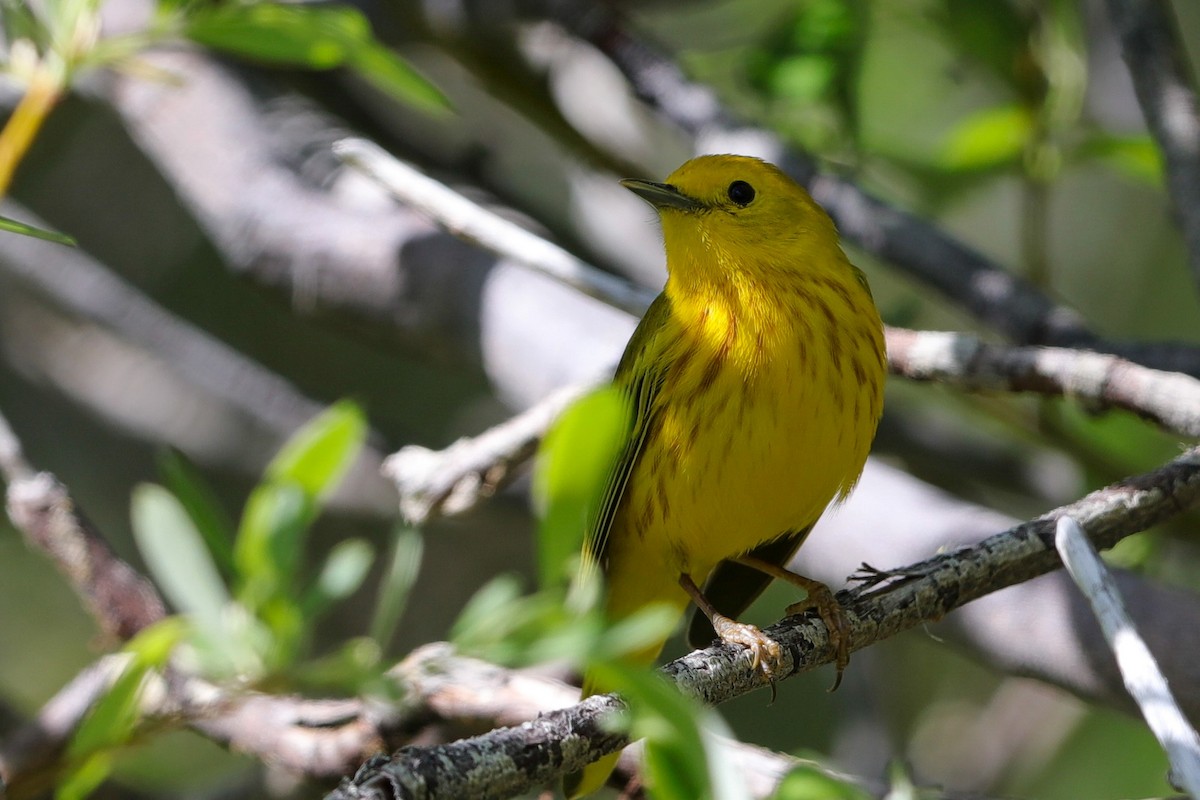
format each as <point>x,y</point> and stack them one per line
<point>313,36</point>
<point>393,76</point>
<point>344,570</point>
<point>202,506</point>
<point>683,757</point>
<point>25,229</point>
<point>270,541</point>
<point>572,469</point>
<point>810,782</point>
<point>1135,156</point>
<point>319,37</point>
<point>317,456</point>
<point>113,719</point>
<point>989,139</point>
<point>176,554</point>
<point>997,36</point>
<point>403,568</point>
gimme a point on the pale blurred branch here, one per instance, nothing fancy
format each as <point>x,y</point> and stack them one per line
<point>452,481</point>
<point>1143,678</point>
<point>473,223</point>
<point>1166,91</point>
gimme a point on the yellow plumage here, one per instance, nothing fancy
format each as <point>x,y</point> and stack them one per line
<point>756,381</point>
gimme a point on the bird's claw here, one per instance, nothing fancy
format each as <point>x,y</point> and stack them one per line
<point>765,652</point>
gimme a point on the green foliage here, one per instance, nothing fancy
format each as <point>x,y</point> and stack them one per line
<point>811,782</point>
<point>25,229</point>
<point>307,36</point>
<point>112,721</point>
<point>806,71</point>
<point>201,506</point>
<point>992,138</point>
<point>401,575</point>
<point>997,37</point>
<point>683,758</point>
<point>571,473</point>
<point>250,608</point>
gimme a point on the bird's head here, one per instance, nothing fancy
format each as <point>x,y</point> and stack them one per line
<point>736,213</point>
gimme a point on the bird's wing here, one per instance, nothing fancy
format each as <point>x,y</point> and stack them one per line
<point>640,378</point>
<point>733,587</point>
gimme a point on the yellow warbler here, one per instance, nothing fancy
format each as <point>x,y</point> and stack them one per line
<point>756,383</point>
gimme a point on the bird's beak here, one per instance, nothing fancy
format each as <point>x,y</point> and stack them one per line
<point>661,195</point>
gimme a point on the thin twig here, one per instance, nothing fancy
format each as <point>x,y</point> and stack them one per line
<point>511,760</point>
<point>1139,670</point>
<point>1161,78</point>
<point>476,224</point>
<point>454,480</point>
<point>121,600</point>
<point>13,466</point>
<point>1097,380</point>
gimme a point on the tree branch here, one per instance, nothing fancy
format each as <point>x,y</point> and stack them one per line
<point>120,600</point>
<point>1166,92</point>
<point>1096,380</point>
<point>1143,679</point>
<point>512,760</point>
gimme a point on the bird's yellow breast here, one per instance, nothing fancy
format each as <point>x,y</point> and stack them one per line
<point>765,414</point>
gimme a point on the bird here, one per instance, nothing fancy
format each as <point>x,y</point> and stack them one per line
<point>755,385</point>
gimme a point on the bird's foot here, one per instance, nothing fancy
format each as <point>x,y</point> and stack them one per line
<point>766,652</point>
<point>821,599</point>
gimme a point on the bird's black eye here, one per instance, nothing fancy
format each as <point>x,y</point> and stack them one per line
<point>741,193</point>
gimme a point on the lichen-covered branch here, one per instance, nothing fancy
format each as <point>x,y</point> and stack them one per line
<point>511,760</point>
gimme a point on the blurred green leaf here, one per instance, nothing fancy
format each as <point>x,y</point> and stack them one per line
<point>1134,156</point>
<point>807,71</point>
<point>313,36</point>
<point>270,541</point>
<point>343,573</point>
<point>403,568</point>
<point>355,667</point>
<point>989,139</point>
<point>394,77</point>
<point>650,625</point>
<point>573,464</point>
<point>111,722</point>
<point>810,782</point>
<point>683,759</point>
<point>25,229</point>
<point>176,554</point>
<point>996,35</point>
<point>19,22</point>
<point>202,506</point>
<point>317,456</point>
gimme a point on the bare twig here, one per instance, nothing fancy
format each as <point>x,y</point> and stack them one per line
<point>1140,671</point>
<point>511,760</point>
<point>1161,77</point>
<point>454,480</point>
<point>1099,381</point>
<point>474,223</point>
<point>121,601</point>
<point>13,466</point>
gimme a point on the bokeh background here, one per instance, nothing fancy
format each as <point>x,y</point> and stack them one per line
<point>232,278</point>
